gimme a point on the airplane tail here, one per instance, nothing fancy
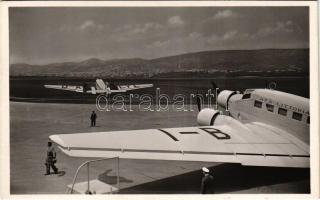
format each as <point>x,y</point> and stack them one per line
<point>100,85</point>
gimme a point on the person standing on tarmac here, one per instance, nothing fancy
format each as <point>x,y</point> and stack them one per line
<point>51,159</point>
<point>207,186</point>
<point>93,118</point>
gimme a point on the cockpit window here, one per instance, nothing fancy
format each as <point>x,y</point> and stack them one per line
<point>282,111</point>
<point>257,104</point>
<point>270,107</point>
<point>297,116</point>
<point>246,96</point>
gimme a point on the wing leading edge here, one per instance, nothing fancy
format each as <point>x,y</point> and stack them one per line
<point>66,87</point>
<point>80,89</point>
<point>133,87</point>
<point>210,144</point>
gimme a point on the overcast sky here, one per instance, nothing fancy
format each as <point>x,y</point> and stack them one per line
<point>46,35</point>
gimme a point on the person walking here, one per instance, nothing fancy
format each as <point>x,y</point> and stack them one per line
<point>93,118</point>
<point>207,186</point>
<point>51,159</point>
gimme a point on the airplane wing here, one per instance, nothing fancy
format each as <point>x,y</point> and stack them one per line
<point>74,88</point>
<point>124,88</point>
<point>66,87</point>
<point>254,145</point>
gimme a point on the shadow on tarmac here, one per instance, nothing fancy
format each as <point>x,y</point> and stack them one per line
<point>228,178</point>
<point>112,179</point>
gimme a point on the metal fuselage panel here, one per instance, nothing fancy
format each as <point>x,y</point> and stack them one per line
<point>246,111</point>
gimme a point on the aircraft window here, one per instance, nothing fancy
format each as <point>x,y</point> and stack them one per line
<point>270,107</point>
<point>257,104</point>
<point>282,111</point>
<point>246,96</point>
<point>297,116</point>
<point>308,120</point>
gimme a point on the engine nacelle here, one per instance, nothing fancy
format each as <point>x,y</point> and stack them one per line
<point>207,116</point>
<point>223,98</point>
<point>211,117</point>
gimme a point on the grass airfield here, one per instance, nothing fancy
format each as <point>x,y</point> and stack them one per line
<point>32,123</point>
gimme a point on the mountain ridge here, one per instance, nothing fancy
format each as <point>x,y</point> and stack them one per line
<point>211,62</point>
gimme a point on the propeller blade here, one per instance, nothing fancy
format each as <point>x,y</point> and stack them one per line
<point>270,85</point>
<point>216,92</point>
<point>198,102</point>
<point>214,85</point>
<point>266,84</point>
<point>85,86</point>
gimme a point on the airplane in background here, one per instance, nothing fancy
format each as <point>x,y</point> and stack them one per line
<point>100,88</point>
<point>263,127</point>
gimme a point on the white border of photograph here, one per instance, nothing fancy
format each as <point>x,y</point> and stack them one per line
<point>4,104</point>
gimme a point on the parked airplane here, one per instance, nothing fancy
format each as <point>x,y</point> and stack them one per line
<point>100,88</point>
<point>264,127</point>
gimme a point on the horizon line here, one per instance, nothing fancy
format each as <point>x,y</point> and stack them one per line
<point>128,58</point>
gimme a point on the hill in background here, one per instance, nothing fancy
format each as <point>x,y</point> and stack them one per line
<point>266,62</point>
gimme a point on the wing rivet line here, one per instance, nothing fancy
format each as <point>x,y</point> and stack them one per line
<point>293,156</point>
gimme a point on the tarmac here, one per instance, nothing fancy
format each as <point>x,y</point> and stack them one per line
<point>32,123</point>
